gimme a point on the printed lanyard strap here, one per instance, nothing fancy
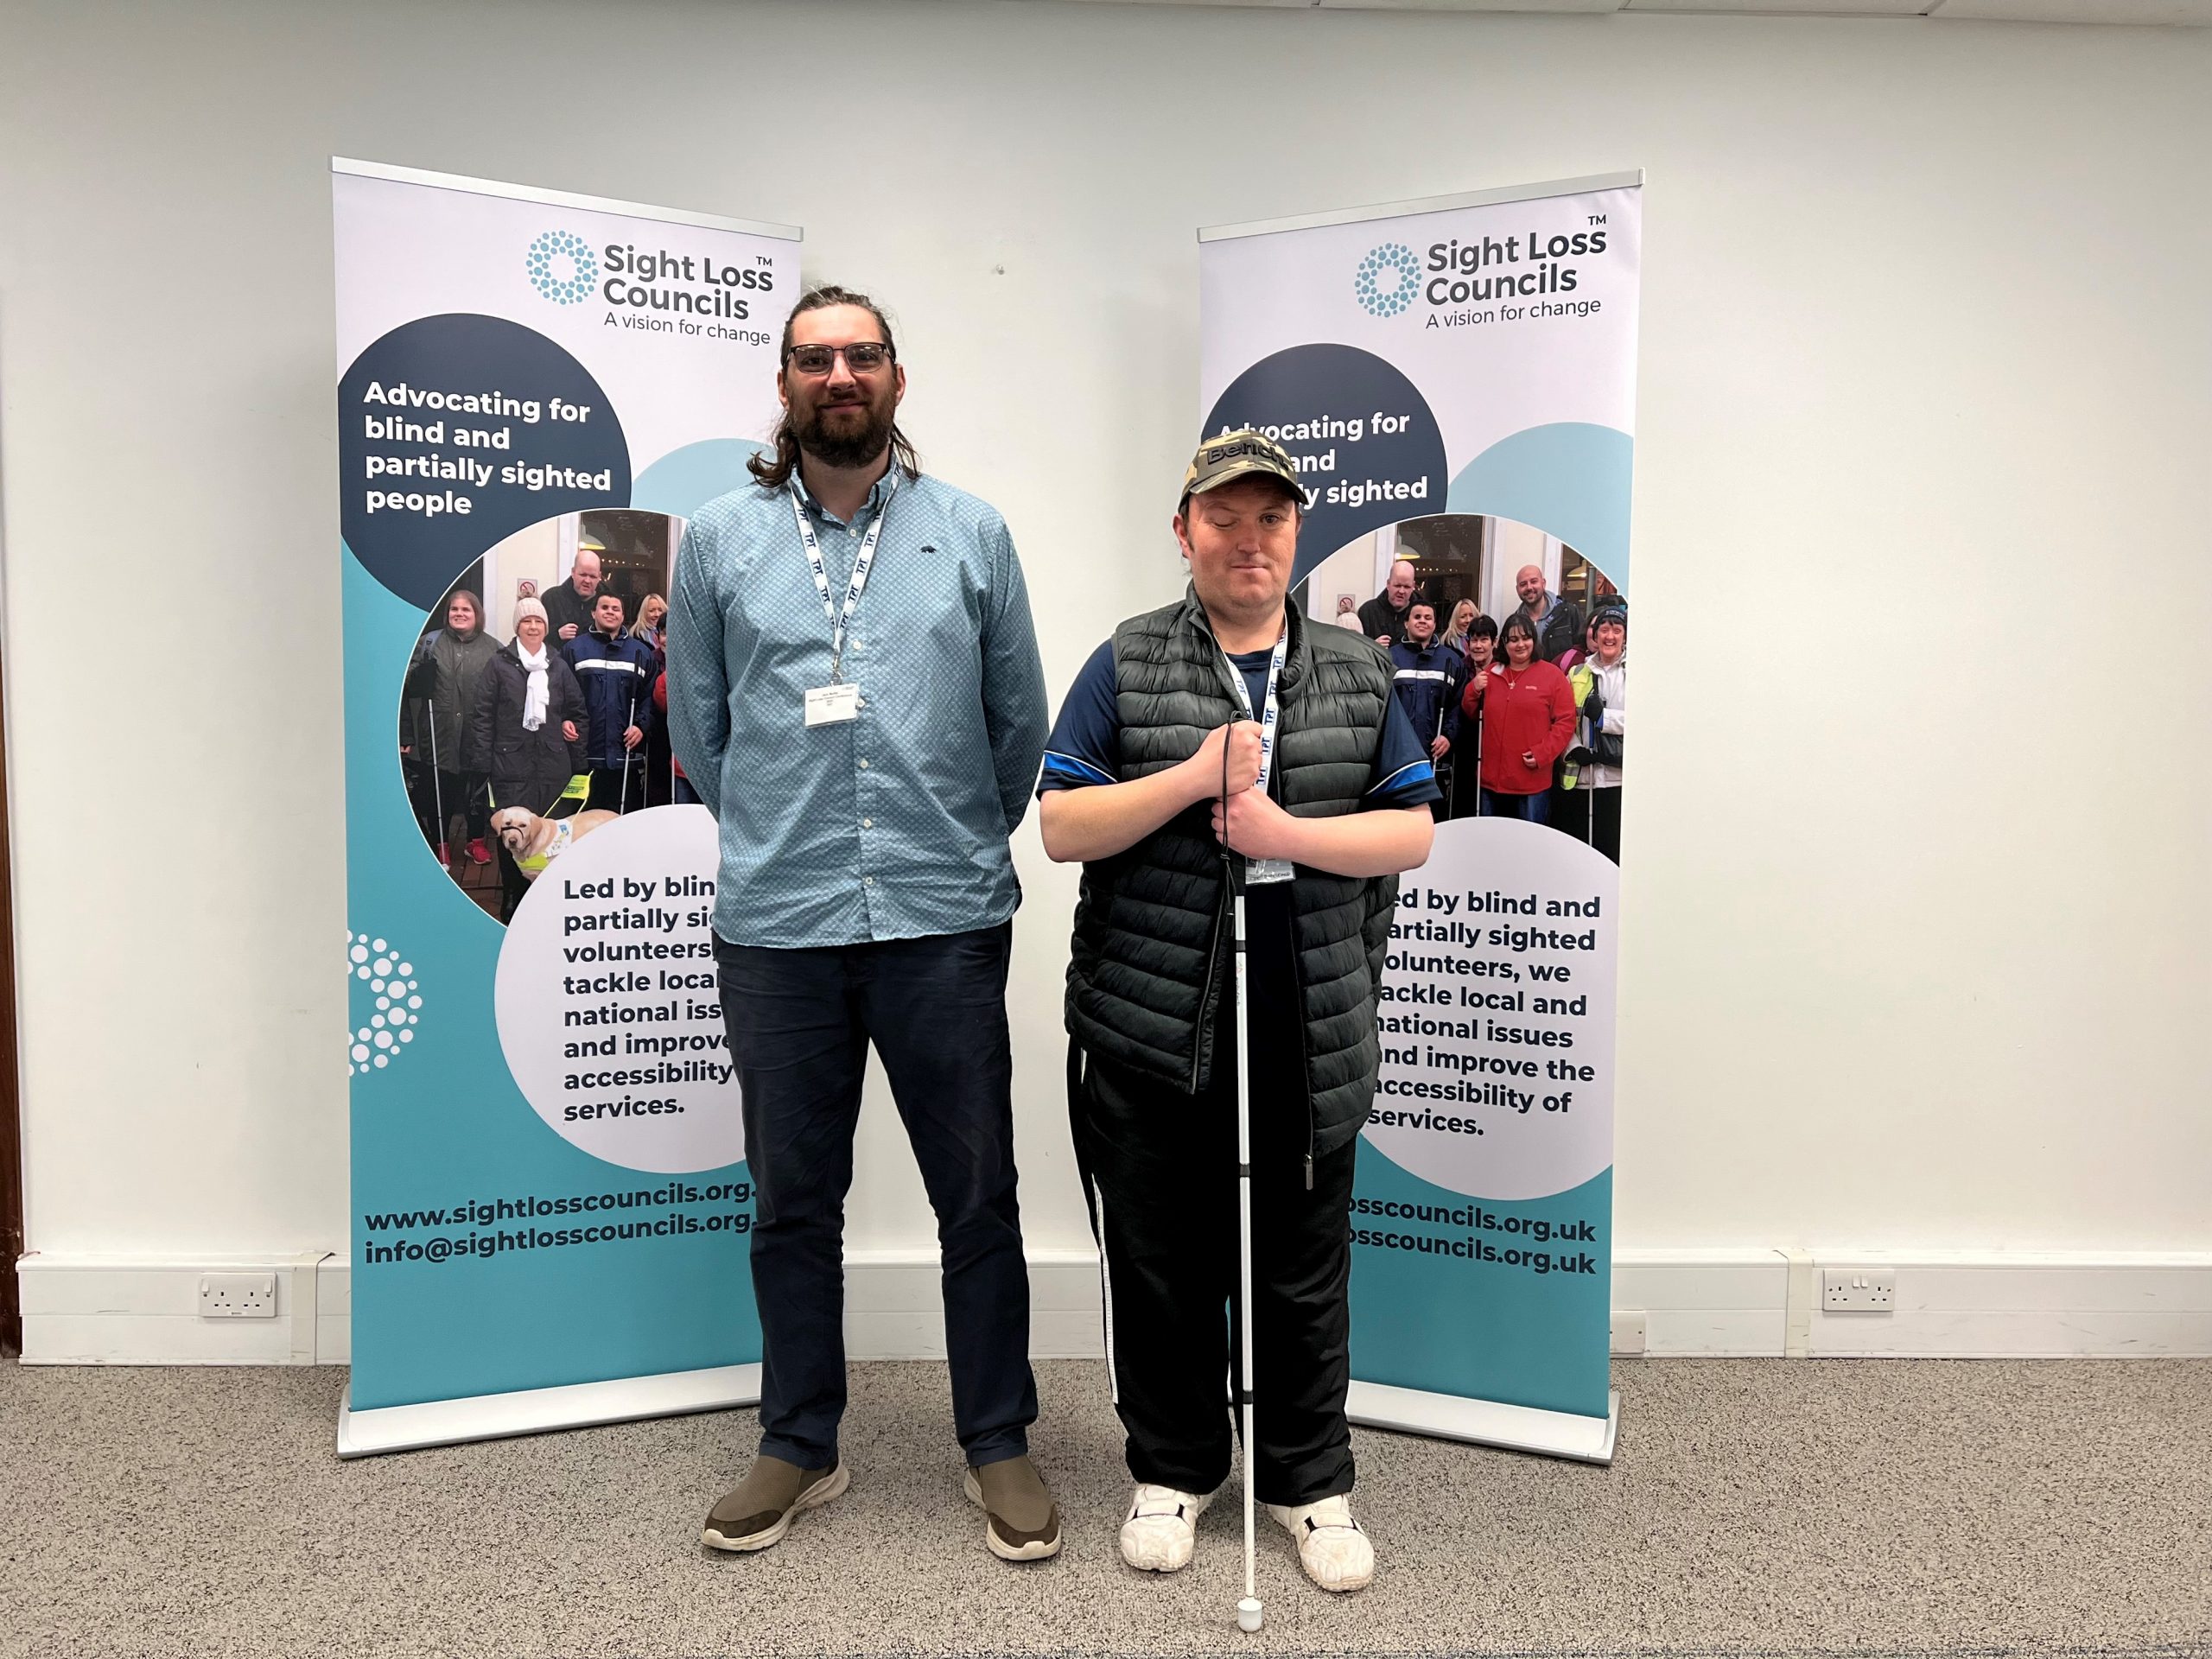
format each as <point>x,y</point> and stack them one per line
<point>1263,870</point>
<point>838,617</point>
<point>1267,714</point>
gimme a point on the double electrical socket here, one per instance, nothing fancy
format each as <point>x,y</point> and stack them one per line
<point>238,1295</point>
<point>1859,1290</point>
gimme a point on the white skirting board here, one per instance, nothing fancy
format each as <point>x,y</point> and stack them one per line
<point>535,1411</point>
<point>1489,1422</point>
<point>91,1309</point>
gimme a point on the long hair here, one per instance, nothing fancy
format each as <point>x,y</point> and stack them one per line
<point>1516,623</point>
<point>774,474</point>
<point>1456,634</point>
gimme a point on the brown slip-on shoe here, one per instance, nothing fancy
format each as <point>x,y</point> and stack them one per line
<point>760,1512</point>
<point>1021,1521</point>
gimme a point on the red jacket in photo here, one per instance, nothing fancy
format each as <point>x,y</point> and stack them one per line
<point>1532,711</point>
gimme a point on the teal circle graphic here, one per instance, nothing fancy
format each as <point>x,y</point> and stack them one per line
<point>570,290</point>
<point>1388,279</point>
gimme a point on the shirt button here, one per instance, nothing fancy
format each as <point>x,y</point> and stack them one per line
<point>863,766</point>
<point>867,880</point>
<point>867,823</point>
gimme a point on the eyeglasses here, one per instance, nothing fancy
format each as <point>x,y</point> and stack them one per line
<point>863,357</point>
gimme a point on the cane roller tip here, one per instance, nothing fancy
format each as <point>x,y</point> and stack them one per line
<point>1248,1613</point>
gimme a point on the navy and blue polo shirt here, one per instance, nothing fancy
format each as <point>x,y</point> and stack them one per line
<point>1085,746</point>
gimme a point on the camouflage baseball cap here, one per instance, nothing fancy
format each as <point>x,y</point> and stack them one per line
<point>1233,455</point>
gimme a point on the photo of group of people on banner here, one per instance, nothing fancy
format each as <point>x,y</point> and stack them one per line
<point>1516,674</point>
<point>538,716</point>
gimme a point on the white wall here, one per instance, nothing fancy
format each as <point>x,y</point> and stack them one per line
<point>1916,905</point>
<point>1352,569</point>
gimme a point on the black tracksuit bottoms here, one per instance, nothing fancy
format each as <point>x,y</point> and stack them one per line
<point>1160,1172</point>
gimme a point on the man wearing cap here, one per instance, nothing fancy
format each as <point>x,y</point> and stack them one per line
<point>568,604</point>
<point>854,690</point>
<point>1225,738</point>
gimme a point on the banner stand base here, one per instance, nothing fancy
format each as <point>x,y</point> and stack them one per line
<point>535,1411</point>
<point>1487,1422</point>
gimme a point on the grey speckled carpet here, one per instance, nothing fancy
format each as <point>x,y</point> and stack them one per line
<point>1757,1508</point>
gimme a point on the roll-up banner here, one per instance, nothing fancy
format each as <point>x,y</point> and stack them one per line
<point>1457,380</point>
<point>550,1193</point>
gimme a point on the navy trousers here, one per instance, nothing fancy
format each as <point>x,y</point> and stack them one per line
<point>800,1023</point>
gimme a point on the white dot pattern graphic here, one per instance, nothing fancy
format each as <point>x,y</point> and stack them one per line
<point>387,1004</point>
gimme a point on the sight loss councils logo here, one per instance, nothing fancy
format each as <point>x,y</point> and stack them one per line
<point>563,268</point>
<point>1388,279</point>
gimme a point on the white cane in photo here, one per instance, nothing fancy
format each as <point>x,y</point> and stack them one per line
<point>437,788</point>
<point>1443,705</point>
<point>622,805</point>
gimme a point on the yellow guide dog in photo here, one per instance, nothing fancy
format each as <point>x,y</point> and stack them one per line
<point>533,843</point>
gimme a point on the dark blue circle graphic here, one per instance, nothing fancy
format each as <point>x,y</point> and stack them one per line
<point>455,431</point>
<point>1321,403</point>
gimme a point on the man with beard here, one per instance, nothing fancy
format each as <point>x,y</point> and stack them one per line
<point>1558,621</point>
<point>853,689</point>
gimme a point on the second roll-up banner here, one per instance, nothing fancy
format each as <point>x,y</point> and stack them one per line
<point>551,1200</point>
<point>1457,380</point>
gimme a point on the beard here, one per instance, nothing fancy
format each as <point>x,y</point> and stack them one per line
<point>849,442</point>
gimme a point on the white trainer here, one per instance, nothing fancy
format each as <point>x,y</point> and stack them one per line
<point>1333,1550</point>
<point>1161,1528</point>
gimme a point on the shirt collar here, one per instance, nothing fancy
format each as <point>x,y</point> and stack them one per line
<point>876,496</point>
<point>1193,614</point>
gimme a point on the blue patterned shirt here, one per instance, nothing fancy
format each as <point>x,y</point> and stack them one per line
<point>892,825</point>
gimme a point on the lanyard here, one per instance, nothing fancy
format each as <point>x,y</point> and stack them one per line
<point>853,588</point>
<point>1262,870</point>
<point>1267,714</point>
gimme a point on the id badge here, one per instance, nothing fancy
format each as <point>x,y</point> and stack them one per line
<point>1258,872</point>
<point>832,705</point>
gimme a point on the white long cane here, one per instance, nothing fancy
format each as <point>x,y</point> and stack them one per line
<point>622,805</point>
<point>1233,871</point>
<point>1247,1611</point>
<point>437,786</point>
<point>1443,707</point>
